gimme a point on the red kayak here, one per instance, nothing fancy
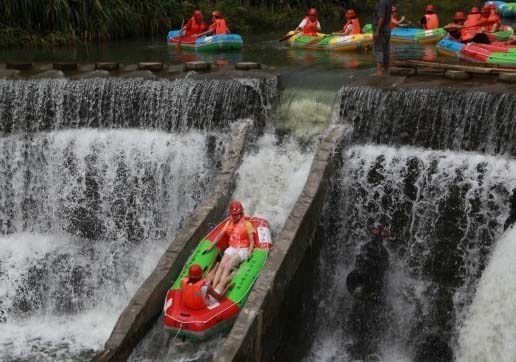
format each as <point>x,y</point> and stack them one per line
<point>202,324</point>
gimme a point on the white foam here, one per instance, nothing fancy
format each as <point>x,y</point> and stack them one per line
<point>489,332</point>
<point>271,179</point>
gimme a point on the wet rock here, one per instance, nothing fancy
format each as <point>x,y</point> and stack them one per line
<point>247,65</point>
<point>457,75</point>
<point>433,349</point>
<point>52,74</point>
<point>198,66</point>
<point>403,72</point>
<point>507,78</point>
<point>109,66</point>
<point>512,214</point>
<point>144,74</point>
<point>152,66</point>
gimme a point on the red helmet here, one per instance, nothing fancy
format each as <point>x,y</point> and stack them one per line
<point>475,10</point>
<point>195,272</point>
<point>486,10</point>
<point>312,12</point>
<point>459,15</point>
<point>350,14</point>
<point>393,9</point>
<point>430,9</point>
<point>217,14</point>
<point>236,208</point>
<point>197,14</point>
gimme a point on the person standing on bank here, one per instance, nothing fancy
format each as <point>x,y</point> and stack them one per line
<point>382,35</point>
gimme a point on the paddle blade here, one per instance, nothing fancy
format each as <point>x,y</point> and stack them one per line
<point>287,36</point>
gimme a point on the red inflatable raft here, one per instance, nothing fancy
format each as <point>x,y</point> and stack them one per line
<point>202,324</point>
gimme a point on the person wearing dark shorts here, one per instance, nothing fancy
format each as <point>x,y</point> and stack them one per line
<point>382,35</point>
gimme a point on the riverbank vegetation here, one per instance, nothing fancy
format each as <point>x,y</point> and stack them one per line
<point>67,22</point>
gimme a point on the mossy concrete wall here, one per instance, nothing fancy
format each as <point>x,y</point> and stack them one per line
<point>147,304</point>
<point>259,327</point>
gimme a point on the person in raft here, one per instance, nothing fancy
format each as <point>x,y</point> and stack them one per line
<point>198,293</point>
<point>352,26</point>
<point>195,25</point>
<point>454,29</point>
<point>310,24</point>
<point>430,20</point>
<point>218,25</point>
<point>241,241</point>
<point>394,18</point>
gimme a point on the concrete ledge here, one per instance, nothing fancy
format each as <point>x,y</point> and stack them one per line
<point>147,304</point>
<point>65,67</point>
<point>107,66</point>
<point>19,66</point>
<point>507,78</point>
<point>457,75</point>
<point>247,65</point>
<point>403,72</point>
<point>253,335</point>
<point>199,66</point>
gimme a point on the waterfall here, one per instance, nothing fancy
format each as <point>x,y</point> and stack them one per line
<point>84,216</point>
<point>46,105</point>
<point>432,118</point>
<point>445,210</point>
<point>489,331</point>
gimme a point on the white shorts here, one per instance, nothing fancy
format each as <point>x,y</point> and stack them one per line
<point>243,253</point>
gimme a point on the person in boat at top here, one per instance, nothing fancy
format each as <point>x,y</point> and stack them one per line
<point>352,26</point>
<point>218,25</point>
<point>241,241</point>
<point>198,293</point>
<point>430,20</point>
<point>394,18</point>
<point>487,22</point>
<point>494,19</point>
<point>310,24</point>
<point>455,29</point>
<point>195,25</point>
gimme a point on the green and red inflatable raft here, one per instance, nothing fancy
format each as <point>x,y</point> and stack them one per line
<point>198,325</point>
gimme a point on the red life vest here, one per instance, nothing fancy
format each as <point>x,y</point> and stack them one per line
<point>393,25</point>
<point>194,28</point>
<point>192,294</point>
<point>493,20</point>
<point>310,27</point>
<point>219,27</point>
<point>356,26</point>
<point>472,21</point>
<point>238,233</point>
<point>432,21</point>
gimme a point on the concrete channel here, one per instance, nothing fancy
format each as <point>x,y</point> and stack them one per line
<point>255,334</point>
<point>147,304</point>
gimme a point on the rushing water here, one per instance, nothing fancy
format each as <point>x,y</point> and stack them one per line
<point>85,215</point>
<point>445,210</point>
<point>133,103</point>
<point>434,118</point>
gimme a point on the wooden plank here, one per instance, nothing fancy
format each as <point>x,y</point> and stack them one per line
<point>466,68</point>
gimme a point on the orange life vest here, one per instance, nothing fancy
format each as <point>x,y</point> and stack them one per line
<point>493,20</point>
<point>194,28</point>
<point>472,21</point>
<point>432,21</point>
<point>219,27</point>
<point>192,294</point>
<point>356,26</point>
<point>310,27</point>
<point>393,25</point>
<point>238,234</point>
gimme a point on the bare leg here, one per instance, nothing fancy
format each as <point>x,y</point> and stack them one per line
<point>211,274</point>
<point>233,262</point>
<point>379,69</point>
<point>223,284</point>
<point>220,269</point>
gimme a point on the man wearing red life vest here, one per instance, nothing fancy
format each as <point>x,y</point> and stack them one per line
<point>198,293</point>
<point>455,29</point>
<point>310,24</point>
<point>494,21</point>
<point>241,241</point>
<point>352,26</point>
<point>195,25</point>
<point>218,25</point>
<point>430,20</point>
